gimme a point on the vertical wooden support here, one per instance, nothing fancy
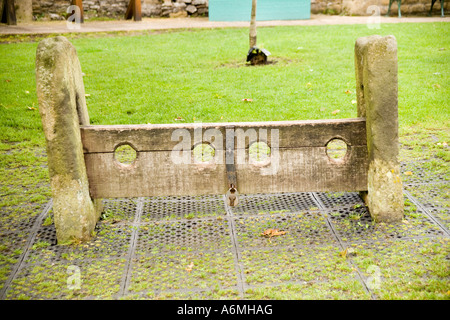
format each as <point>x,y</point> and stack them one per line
<point>8,12</point>
<point>79,3</point>
<point>62,105</point>
<point>377,96</point>
<point>134,10</point>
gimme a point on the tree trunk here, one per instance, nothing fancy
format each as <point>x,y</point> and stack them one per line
<point>253,25</point>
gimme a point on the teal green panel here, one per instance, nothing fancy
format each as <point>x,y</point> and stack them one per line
<point>240,10</point>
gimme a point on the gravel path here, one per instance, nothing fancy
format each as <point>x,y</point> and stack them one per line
<point>180,23</point>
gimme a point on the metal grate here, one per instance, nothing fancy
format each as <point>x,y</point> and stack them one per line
<point>205,234</point>
<point>274,203</point>
<point>198,247</point>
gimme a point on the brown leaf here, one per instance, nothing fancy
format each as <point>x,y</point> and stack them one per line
<point>272,233</point>
<point>31,108</point>
<point>336,111</point>
<point>189,267</point>
<point>348,252</point>
<point>7,80</point>
<point>247,100</point>
<point>348,92</point>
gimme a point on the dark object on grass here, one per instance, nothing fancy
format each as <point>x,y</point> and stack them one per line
<point>257,56</point>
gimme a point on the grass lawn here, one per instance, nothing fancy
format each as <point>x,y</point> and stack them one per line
<point>201,75</point>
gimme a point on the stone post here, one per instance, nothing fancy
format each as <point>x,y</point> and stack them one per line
<point>24,10</point>
<point>62,105</point>
<point>377,92</point>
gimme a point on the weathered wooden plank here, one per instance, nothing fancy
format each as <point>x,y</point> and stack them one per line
<point>306,170</point>
<point>290,170</point>
<point>152,174</point>
<point>164,137</point>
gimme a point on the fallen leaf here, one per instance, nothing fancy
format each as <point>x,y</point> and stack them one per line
<point>190,266</point>
<point>7,80</point>
<point>221,118</point>
<point>444,144</point>
<point>178,119</point>
<point>87,95</point>
<point>437,85</point>
<point>408,173</point>
<point>336,112</point>
<point>348,92</point>
<point>272,233</point>
<point>348,252</point>
<point>247,100</point>
<point>31,108</point>
<point>354,101</point>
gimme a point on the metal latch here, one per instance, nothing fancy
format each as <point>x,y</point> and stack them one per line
<point>232,194</point>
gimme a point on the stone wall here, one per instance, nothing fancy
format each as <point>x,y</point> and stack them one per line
<point>56,9</point>
<point>359,7</point>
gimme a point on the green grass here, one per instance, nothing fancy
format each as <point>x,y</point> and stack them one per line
<point>200,76</point>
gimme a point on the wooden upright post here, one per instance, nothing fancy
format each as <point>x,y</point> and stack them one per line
<point>62,105</point>
<point>134,10</point>
<point>79,3</point>
<point>377,92</point>
<point>8,12</point>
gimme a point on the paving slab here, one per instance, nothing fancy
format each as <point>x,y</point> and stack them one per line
<point>46,27</point>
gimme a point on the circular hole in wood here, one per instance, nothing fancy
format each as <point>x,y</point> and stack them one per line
<point>259,152</point>
<point>125,154</point>
<point>336,149</point>
<point>203,153</point>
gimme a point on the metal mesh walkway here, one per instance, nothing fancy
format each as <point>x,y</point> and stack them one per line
<point>199,248</point>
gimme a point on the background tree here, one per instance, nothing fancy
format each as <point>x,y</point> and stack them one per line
<point>255,55</point>
<point>253,25</point>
